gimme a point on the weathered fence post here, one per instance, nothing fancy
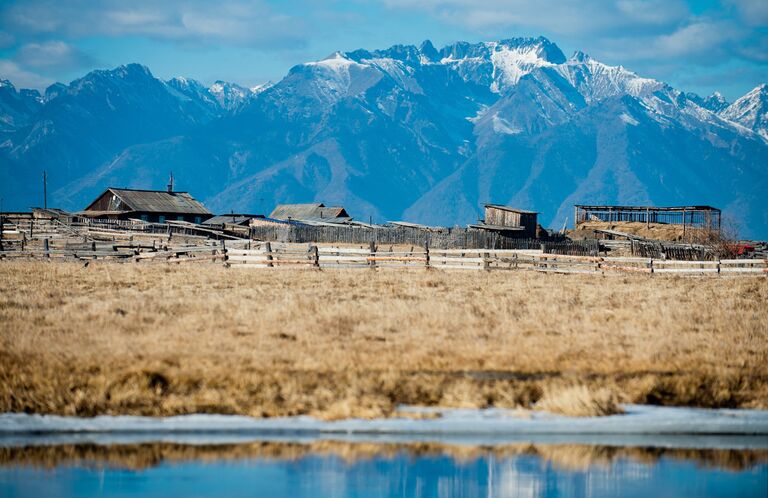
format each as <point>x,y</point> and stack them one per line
<point>46,248</point>
<point>426,253</point>
<point>486,261</point>
<point>268,249</point>
<point>315,257</point>
<point>2,225</point>
<point>372,260</point>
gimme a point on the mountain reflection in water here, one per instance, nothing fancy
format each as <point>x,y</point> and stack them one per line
<point>341,469</point>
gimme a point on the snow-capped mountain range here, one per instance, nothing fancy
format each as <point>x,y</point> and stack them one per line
<point>409,132</point>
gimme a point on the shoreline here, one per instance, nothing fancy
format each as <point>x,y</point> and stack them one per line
<point>636,420</point>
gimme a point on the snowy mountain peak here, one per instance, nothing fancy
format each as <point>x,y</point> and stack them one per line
<point>229,96</point>
<point>428,52</point>
<point>579,57</point>
<point>335,61</point>
<point>257,89</point>
<point>751,111</point>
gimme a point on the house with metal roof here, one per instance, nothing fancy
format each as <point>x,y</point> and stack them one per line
<point>157,206</point>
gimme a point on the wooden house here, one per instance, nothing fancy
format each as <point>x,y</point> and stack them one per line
<point>157,206</point>
<point>509,221</point>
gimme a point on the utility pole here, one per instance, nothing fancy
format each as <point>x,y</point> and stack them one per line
<point>45,189</point>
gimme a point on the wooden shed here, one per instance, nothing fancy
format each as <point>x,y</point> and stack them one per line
<point>156,206</point>
<point>511,221</point>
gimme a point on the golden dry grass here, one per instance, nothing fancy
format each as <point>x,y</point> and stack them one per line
<point>155,339</point>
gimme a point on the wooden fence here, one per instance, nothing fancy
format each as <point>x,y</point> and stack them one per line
<point>445,238</point>
<point>269,255</point>
<point>661,250</point>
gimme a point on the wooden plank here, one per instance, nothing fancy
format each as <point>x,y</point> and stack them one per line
<point>685,270</point>
<point>363,259</point>
<point>257,259</point>
<point>343,250</point>
<point>456,267</point>
<point>743,270</point>
<point>758,262</point>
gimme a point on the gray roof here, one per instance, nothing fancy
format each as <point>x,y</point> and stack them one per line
<point>315,220</point>
<point>237,219</point>
<point>307,211</point>
<point>499,228</point>
<point>156,201</point>
<point>510,208</point>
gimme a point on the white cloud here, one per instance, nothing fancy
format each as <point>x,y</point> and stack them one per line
<point>52,56</point>
<point>22,78</point>
<point>571,17</point>
<point>752,12</point>
<point>243,22</point>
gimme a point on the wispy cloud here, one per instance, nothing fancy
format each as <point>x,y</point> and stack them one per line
<point>52,56</point>
<point>241,22</point>
<point>569,17</point>
<point>20,77</point>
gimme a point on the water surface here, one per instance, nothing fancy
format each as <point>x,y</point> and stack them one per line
<point>334,468</point>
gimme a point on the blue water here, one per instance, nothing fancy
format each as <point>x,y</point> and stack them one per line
<point>391,475</point>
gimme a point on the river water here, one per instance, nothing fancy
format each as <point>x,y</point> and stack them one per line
<point>652,452</point>
<point>330,468</point>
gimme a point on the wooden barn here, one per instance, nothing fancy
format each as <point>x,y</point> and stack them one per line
<point>509,221</point>
<point>157,206</point>
<point>309,213</point>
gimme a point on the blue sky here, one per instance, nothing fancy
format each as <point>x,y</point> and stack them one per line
<point>698,46</point>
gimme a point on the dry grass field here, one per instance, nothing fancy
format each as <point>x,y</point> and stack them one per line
<point>158,339</point>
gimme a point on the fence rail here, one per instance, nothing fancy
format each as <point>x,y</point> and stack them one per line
<point>293,255</point>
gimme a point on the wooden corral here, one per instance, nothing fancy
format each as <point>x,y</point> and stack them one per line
<point>700,217</point>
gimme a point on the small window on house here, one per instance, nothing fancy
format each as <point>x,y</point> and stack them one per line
<point>198,220</point>
<point>144,217</point>
<point>180,218</point>
<point>161,219</point>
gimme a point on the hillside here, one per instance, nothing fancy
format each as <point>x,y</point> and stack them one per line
<point>416,133</point>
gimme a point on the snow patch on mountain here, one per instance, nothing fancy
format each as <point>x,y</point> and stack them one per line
<point>512,63</point>
<point>751,111</point>
<point>229,95</point>
<point>628,119</point>
<point>597,81</point>
<point>501,125</point>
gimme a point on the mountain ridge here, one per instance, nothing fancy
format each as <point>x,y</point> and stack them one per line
<point>405,132</point>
